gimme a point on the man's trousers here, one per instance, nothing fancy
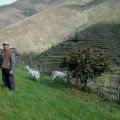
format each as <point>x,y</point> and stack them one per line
<point>8,79</point>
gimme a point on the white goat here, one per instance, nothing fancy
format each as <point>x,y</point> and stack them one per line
<point>33,73</point>
<point>58,74</point>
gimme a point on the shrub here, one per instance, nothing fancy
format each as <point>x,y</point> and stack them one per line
<point>86,63</point>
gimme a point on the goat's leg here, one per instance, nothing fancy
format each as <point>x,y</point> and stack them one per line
<point>35,77</point>
<point>27,73</point>
<point>30,76</point>
<point>54,77</point>
<point>38,78</point>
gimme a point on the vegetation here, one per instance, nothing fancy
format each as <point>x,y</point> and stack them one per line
<point>99,28</point>
<point>44,100</point>
<point>101,37</point>
<point>86,64</point>
<point>109,85</point>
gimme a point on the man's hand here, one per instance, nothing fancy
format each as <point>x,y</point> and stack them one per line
<point>11,72</point>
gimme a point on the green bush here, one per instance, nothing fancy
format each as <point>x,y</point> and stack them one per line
<point>86,63</point>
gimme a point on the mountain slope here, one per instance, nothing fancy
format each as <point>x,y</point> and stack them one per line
<point>22,9</point>
<point>48,28</point>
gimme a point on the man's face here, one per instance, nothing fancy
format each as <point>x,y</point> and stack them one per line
<point>5,46</point>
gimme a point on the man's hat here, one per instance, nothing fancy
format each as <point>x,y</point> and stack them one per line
<point>6,43</point>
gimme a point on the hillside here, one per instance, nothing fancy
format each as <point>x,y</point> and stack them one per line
<point>22,9</point>
<point>101,36</point>
<point>44,100</point>
<point>55,23</point>
<point>102,33</point>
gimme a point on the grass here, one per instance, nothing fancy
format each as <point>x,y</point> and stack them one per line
<point>44,100</point>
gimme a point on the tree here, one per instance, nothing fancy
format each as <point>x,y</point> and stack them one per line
<point>86,64</point>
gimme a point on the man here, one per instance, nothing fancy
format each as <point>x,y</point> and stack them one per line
<point>7,64</point>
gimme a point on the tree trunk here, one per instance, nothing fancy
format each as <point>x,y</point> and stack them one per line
<point>83,82</point>
<point>68,77</point>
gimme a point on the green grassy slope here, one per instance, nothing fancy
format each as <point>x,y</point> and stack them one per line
<point>44,100</point>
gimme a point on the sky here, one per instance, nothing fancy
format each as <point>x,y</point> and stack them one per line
<point>6,2</point>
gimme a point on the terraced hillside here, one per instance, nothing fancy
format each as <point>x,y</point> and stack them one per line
<point>104,37</point>
<point>49,27</point>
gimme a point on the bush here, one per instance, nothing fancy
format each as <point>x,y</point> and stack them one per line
<point>86,63</point>
<point>115,86</point>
